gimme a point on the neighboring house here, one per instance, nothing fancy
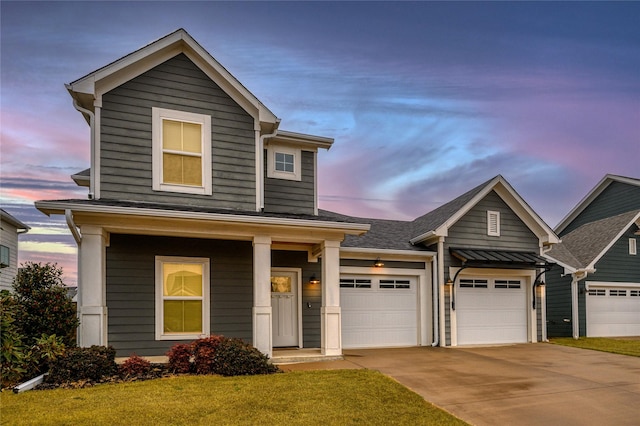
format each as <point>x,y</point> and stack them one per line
<point>203,218</point>
<point>10,228</point>
<point>595,289</point>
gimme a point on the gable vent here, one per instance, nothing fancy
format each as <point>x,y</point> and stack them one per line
<point>493,223</point>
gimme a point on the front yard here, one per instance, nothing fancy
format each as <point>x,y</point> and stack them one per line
<point>623,346</point>
<point>335,397</point>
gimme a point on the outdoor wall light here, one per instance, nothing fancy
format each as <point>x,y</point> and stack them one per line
<point>313,280</point>
<point>378,263</point>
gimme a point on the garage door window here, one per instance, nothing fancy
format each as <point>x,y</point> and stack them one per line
<point>507,284</point>
<point>469,283</point>
<point>402,284</point>
<point>634,293</point>
<point>354,283</point>
<point>618,293</point>
<point>597,292</point>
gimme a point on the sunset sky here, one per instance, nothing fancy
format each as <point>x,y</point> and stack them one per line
<point>425,100</point>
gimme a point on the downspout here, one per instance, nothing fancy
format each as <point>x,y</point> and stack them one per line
<point>261,160</point>
<point>434,295</point>
<point>72,227</point>
<point>92,171</point>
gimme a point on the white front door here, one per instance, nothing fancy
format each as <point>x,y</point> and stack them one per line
<point>285,307</point>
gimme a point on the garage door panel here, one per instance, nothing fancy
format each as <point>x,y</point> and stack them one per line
<point>490,313</point>
<point>613,312</point>
<point>379,317</point>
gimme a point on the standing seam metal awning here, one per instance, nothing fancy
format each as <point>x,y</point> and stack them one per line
<point>498,258</point>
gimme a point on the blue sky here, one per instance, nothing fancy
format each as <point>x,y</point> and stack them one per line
<point>425,100</point>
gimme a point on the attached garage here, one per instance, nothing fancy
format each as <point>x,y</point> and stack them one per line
<point>379,311</point>
<point>613,310</point>
<point>491,310</point>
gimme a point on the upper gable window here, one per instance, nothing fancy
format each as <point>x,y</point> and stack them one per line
<point>283,162</point>
<point>493,223</point>
<point>633,250</point>
<point>181,151</point>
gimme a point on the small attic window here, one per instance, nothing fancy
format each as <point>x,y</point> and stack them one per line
<point>633,249</point>
<point>493,223</point>
<point>284,162</point>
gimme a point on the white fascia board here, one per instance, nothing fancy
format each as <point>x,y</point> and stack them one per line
<point>635,219</point>
<point>302,140</point>
<point>592,195</point>
<point>589,284</point>
<point>440,232</point>
<point>151,55</point>
<point>58,208</point>
<point>368,253</point>
<point>568,269</point>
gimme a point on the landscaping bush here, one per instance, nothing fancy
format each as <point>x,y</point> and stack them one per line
<point>46,350</point>
<point>204,351</point>
<point>13,359</point>
<point>180,358</point>
<point>233,357</point>
<point>134,366</point>
<point>78,364</point>
<point>44,306</point>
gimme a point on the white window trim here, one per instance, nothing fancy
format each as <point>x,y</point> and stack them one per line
<point>271,163</point>
<point>633,248</point>
<point>159,114</point>
<point>206,326</point>
<point>493,232</point>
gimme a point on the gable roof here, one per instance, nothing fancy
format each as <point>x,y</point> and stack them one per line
<point>584,246</point>
<point>90,87</point>
<point>592,195</point>
<point>6,217</point>
<point>437,222</point>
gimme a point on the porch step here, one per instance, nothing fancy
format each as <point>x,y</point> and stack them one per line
<point>294,356</point>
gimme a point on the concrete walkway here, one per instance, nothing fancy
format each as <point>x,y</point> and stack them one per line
<point>529,384</point>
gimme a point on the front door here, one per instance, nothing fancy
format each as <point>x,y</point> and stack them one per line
<point>284,305</point>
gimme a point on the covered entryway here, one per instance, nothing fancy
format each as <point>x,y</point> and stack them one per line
<point>491,310</point>
<point>379,311</point>
<point>613,310</point>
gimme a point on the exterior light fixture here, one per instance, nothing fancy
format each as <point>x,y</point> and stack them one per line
<point>378,263</point>
<point>313,280</point>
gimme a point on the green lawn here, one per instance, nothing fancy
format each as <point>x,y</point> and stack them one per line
<point>616,346</point>
<point>337,397</point>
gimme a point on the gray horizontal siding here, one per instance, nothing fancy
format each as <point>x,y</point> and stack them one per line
<point>617,265</point>
<point>131,289</point>
<point>387,264</point>
<point>126,147</point>
<point>288,196</point>
<point>617,198</point>
<point>471,230</point>
<point>558,294</point>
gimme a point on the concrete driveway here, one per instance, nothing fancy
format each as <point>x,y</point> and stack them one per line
<point>528,384</point>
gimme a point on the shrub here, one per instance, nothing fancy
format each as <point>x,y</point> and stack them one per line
<point>44,306</point>
<point>13,359</point>
<point>134,366</point>
<point>204,351</point>
<point>234,357</point>
<point>46,350</point>
<point>180,358</point>
<point>77,364</point>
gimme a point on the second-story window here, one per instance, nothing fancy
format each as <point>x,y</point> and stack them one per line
<point>284,162</point>
<point>181,151</point>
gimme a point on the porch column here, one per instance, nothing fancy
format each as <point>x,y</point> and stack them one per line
<point>262,325</point>
<point>331,322</point>
<point>92,293</point>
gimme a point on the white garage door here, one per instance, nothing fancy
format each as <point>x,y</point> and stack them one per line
<point>613,311</point>
<point>378,312</point>
<point>490,310</point>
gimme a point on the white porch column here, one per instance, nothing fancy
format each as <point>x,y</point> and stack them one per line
<point>331,321</point>
<point>262,325</point>
<point>92,295</point>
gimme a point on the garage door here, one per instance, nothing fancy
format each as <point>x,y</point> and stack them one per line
<point>378,311</point>
<point>490,310</point>
<point>613,311</point>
